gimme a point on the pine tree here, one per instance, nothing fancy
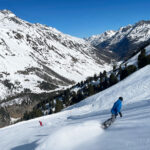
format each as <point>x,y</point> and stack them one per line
<point>142,59</point>
<point>95,77</point>
<point>58,106</point>
<point>26,116</point>
<point>114,68</point>
<point>74,98</point>
<point>37,113</point>
<point>148,59</point>
<point>90,89</point>
<point>127,71</point>
<point>112,79</point>
<point>82,83</point>
<point>101,77</point>
<point>104,73</point>
<point>79,96</point>
<point>105,83</point>
<point>66,97</point>
<point>78,84</point>
<point>50,111</point>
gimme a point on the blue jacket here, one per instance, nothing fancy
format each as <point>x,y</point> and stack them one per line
<point>116,107</point>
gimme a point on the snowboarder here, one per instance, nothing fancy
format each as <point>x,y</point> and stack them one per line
<point>116,109</point>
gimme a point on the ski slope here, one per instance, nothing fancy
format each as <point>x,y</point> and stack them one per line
<point>78,127</point>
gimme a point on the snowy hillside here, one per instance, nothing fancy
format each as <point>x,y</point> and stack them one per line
<point>78,128</point>
<point>127,39</point>
<point>33,53</point>
<point>133,60</point>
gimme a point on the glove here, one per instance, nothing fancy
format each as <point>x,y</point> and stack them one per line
<point>120,114</point>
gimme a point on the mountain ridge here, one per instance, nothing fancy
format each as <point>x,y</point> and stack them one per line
<point>44,52</point>
<point>127,40</point>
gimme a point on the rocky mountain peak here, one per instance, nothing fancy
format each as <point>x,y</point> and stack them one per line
<point>96,39</point>
<point>142,22</point>
<point>7,13</point>
<point>110,32</point>
<point>125,29</point>
<point>126,40</point>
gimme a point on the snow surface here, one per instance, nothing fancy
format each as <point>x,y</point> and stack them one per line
<point>13,120</point>
<point>78,127</point>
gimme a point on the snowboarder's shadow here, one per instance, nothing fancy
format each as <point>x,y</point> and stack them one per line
<point>29,146</point>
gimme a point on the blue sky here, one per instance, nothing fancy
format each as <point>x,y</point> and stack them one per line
<point>80,18</point>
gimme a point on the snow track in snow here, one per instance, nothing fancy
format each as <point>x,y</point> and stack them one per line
<point>71,136</point>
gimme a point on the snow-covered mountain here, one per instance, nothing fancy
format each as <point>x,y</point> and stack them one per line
<point>127,39</point>
<point>96,39</point>
<point>78,127</point>
<point>31,54</point>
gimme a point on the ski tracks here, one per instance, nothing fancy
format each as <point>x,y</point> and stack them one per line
<point>71,136</point>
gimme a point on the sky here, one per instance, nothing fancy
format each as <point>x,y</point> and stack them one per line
<point>80,18</point>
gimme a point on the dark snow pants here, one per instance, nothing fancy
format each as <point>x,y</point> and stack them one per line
<point>108,122</point>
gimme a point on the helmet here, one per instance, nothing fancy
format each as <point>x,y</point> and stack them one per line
<point>121,98</point>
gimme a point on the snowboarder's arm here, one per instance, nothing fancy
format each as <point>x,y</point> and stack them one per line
<point>118,108</point>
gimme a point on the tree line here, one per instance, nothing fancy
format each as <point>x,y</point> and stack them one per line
<point>90,86</point>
